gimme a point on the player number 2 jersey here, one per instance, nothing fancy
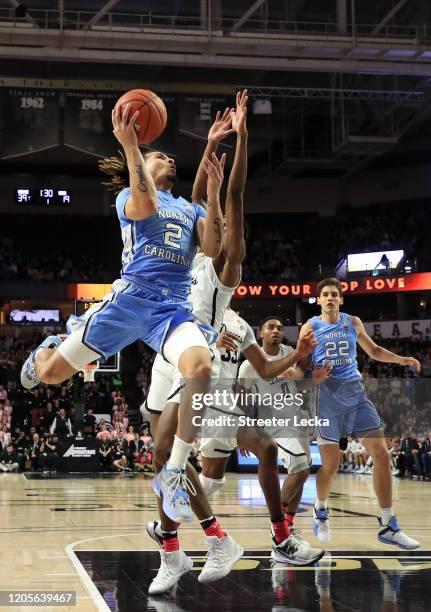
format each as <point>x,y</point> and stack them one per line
<point>161,248</point>
<point>336,344</point>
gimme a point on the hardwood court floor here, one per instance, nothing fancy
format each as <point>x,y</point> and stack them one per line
<point>88,535</point>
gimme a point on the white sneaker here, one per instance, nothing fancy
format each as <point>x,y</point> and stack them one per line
<point>295,551</point>
<point>29,378</point>
<point>392,534</point>
<point>173,565</point>
<point>222,555</point>
<point>321,527</point>
<point>171,486</point>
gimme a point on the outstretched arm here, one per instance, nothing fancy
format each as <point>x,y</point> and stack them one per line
<point>379,353</point>
<point>143,200</point>
<point>218,132</point>
<point>229,261</point>
<point>269,369</point>
<point>210,229</point>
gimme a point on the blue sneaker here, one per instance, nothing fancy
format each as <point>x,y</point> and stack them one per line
<point>171,486</point>
<point>29,377</point>
<point>321,524</point>
<point>392,534</point>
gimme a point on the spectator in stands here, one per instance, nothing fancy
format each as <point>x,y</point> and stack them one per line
<point>50,454</point>
<point>5,436</point>
<point>61,425</point>
<point>120,457</point>
<point>104,433</point>
<point>9,460</point>
<point>130,435</point>
<point>36,449</point>
<point>47,417</point>
<point>426,456</point>
<point>106,454</point>
<point>405,461</point>
<point>3,394</point>
<point>133,449</point>
<point>89,422</point>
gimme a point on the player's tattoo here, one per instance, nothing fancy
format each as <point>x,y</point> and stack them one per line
<point>218,229</point>
<point>142,185</point>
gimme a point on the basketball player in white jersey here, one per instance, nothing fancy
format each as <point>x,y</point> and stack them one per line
<point>294,450</point>
<point>213,282</point>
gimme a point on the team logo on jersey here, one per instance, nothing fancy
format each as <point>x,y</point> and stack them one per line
<point>345,325</point>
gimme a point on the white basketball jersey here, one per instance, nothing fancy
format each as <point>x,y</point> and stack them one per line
<point>209,298</point>
<point>235,325</point>
<point>271,386</point>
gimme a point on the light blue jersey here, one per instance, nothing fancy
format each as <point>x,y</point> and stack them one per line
<point>160,250</point>
<point>341,401</point>
<point>336,344</point>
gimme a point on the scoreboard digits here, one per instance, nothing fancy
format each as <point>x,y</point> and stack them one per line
<point>46,196</point>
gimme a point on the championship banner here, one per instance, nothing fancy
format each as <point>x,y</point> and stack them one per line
<point>358,286</point>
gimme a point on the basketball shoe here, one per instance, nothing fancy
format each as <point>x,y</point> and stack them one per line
<point>222,555</point>
<point>29,377</point>
<point>171,486</point>
<point>173,565</point>
<point>321,524</point>
<point>392,534</point>
<point>295,551</point>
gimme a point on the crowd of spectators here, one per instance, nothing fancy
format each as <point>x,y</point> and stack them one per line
<point>78,266</point>
<point>292,247</point>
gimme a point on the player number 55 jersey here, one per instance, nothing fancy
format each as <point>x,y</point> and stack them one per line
<point>235,325</point>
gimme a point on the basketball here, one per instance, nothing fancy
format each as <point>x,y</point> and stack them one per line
<point>152,113</point>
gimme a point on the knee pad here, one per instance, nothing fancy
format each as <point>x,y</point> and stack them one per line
<point>211,485</point>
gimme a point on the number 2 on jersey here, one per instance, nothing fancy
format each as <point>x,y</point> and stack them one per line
<point>175,233</point>
<point>337,349</point>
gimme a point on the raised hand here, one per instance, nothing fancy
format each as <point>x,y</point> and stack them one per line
<point>306,344</point>
<point>125,128</point>
<point>412,363</point>
<point>222,126</point>
<point>227,340</point>
<point>214,169</point>
<point>239,115</point>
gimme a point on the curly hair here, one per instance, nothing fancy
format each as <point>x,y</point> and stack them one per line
<point>116,168</point>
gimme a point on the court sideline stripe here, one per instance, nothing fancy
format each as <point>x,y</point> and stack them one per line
<point>89,585</point>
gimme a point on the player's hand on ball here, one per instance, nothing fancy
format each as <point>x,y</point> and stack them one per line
<point>411,362</point>
<point>215,173</point>
<point>222,126</point>
<point>239,115</point>
<point>306,344</point>
<point>227,341</point>
<point>124,126</point>
<point>319,375</point>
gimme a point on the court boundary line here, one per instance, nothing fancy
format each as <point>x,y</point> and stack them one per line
<point>90,587</point>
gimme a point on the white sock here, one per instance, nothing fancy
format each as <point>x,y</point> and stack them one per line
<point>385,515</point>
<point>180,453</point>
<point>321,504</point>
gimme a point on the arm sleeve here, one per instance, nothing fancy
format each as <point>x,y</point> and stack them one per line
<point>200,212</point>
<point>120,203</point>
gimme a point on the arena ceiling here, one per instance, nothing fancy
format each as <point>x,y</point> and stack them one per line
<point>350,78</point>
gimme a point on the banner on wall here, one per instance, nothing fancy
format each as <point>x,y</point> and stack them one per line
<point>382,329</point>
<point>357,286</point>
